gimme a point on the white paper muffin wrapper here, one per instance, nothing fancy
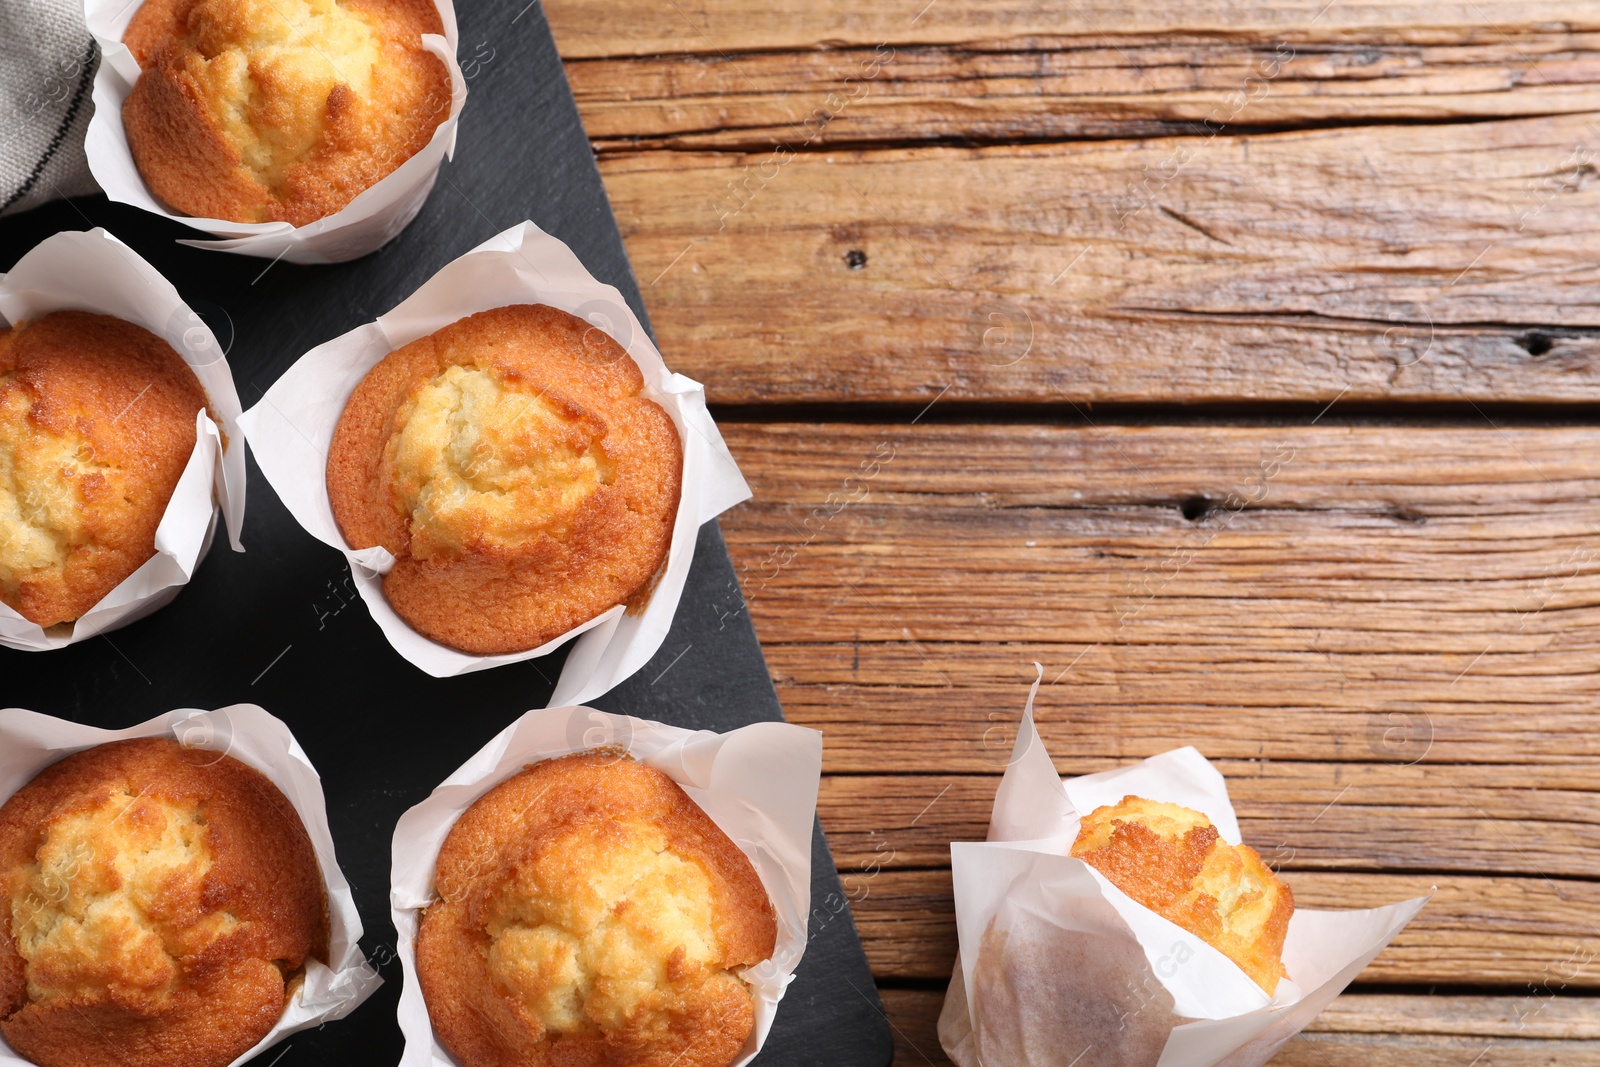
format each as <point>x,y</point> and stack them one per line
<point>292,427</point>
<point>30,742</point>
<point>758,783</point>
<point>365,224</point>
<point>93,271</point>
<point>1024,906</point>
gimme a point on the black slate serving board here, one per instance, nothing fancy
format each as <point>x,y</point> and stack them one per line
<point>280,626</point>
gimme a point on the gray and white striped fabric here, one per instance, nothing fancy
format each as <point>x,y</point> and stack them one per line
<point>47,61</point>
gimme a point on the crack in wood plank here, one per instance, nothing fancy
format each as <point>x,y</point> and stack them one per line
<point>1381,264</point>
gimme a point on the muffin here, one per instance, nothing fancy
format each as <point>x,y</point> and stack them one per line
<point>97,422</point>
<point>590,913</point>
<point>1172,860</point>
<point>279,110</point>
<point>159,906</point>
<point>511,465</point>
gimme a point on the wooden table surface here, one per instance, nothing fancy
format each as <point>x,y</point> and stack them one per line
<point>1235,361</point>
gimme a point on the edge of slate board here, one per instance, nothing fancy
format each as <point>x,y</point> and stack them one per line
<point>278,626</point>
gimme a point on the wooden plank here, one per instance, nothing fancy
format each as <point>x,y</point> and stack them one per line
<point>952,727</point>
<point>1409,473</point>
<point>1444,579</point>
<point>1341,1050</point>
<point>1073,88</point>
<point>1507,819</point>
<point>1361,1029</point>
<point>913,1016</point>
<point>1441,263</point>
<point>1535,1015</point>
<point>585,28</point>
<point>1476,930</point>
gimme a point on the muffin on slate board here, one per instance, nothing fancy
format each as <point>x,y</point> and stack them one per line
<point>590,912</point>
<point>511,465</point>
<point>279,110</point>
<point>97,422</point>
<point>160,904</point>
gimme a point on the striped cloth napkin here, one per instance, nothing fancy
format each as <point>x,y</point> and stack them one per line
<point>47,63</point>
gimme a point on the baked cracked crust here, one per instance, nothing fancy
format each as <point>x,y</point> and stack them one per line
<point>1172,860</point>
<point>591,914</point>
<point>97,422</point>
<point>159,903</point>
<point>279,110</point>
<point>511,465</point>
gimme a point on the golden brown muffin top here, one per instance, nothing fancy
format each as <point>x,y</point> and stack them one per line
<point>158,904</point>
<point>97,422</point>
<point>279,110</point>
<point>511,464</point>
<point>1172,860</point>
<point>589,912</point>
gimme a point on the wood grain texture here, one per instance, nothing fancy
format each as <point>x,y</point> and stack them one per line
<point>1416,262</point>
<point>586,28</point>
<point>1512,819</point>
<point>1440,263</point>
<point>1358,1030</point>
<point>1074,87</point>
<point>1506,931</point>
<point>1442,580</point>
<point>1386,635</point>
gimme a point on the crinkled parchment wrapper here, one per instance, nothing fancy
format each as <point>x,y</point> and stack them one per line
<point>1059,966</point>
<point>365,224</point>
<point>758,783</point>
<point>30,742</point>
<point>93,271</point>
<point>292,427</point>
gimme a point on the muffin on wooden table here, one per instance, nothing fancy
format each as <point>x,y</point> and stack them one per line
<point>97,422</point>
<point>159,905</point>
<point>1172,860</point>
<point>279,110</point>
